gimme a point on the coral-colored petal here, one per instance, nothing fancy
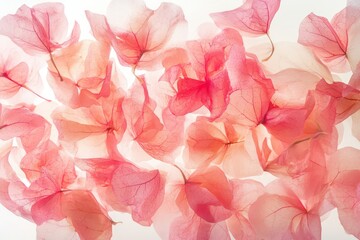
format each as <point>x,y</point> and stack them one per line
<point>89,220</point>
<point>209,194</point>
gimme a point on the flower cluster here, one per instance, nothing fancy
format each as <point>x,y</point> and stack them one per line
<point>178,148</point>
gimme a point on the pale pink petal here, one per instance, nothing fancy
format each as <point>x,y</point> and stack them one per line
<point>292,86</point>
<point>47,229</point>
<point>157,138</point>
<point>31,29</point>
<point>250,99</point>
<point>293,55</point>
<point>253,17</point>
<point>271,217</point>
<point>316,32</point>
<point>21,122</point>
<point>346,97</point>
<point>99,26</point>
<point>11,187</point>
<point>136,36</point>
<point>246,193</point>
<point>345,186</point>
<point>142,190</point>
<point>280,214</point>
<point>13,79</point>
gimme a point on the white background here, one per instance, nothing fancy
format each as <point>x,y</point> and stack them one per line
<point>284,27</point>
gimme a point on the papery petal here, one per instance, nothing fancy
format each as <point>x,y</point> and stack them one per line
<point>347,98</point>
<point>247,106</point>
<point>142,190</point>
<point>252,91</point>
<point>209,194</point>
<point>136,36</point>
<point>246,193</point>
<point>253,17</point>
<point>47,229</point>
<point>89,220</point>
<point>281,215</point>
<point>21,122</point>
<point>47,208</point>
<point>293,55</point>
<point>189,98</point>
<point>156,138</point>
<point>292,86</point>
<point>11,187</point>
<point>101,120</point>
<point>317,32</point>
<point>218,143</point>
<point>84,63</point>
<point>31,29</point>
<point>344,169</point>
<point>286,124</point>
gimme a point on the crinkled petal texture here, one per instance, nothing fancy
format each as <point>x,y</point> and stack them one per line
<point>252,91</point>
<point>41,29</point>
<point>49,162</point>
<point>199,117</point>
<point>90,221</point>
<point>11,187</point>
<point>142,190</point>
<point>13,79</point>
<point>253,17</point>
<point>140,34</point>
<point>84,67</point>
<point>182,222</point>
<point>157,138</point>
<point>329,40</point>
<point>127,187</point>
<point>346,98</point>
<point>203,80</point>
<point>32,129</point>
<point>49,197</point>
